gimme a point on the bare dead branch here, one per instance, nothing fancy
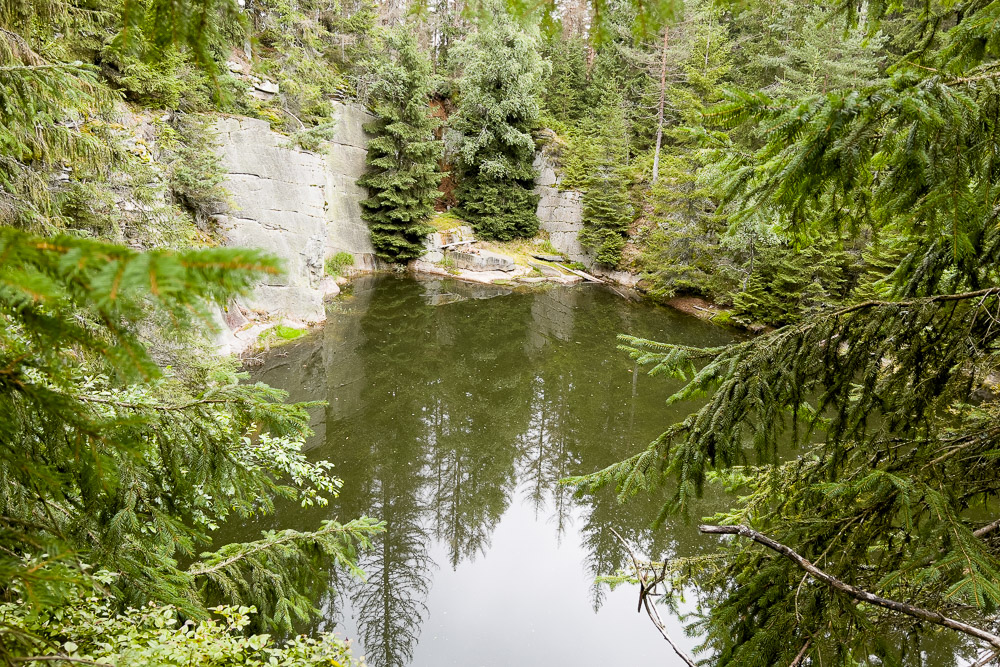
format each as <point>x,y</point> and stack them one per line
<point>646,587</point>
<point>987,529</point>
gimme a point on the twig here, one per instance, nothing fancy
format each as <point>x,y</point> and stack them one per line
<point>156,406</point>
<point>852,591</point>
<point>987,529</point>
<point>645,587</point>
<point>58,658</point>
<point>989,291</point>
<point>986,659</point>
<point>802,654</point>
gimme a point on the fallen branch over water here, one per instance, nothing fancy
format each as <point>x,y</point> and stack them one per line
<point>853,591</point>
<point>647,590</point>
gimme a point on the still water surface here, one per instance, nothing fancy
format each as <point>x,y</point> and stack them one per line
<point>453,410</point>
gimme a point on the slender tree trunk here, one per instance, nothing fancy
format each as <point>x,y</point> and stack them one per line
<point>659,114</point>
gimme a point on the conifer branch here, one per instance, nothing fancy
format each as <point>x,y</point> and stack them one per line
<point>963,296</point>
<point>157,406</point>
<point>350,529</point>
<point>858,594</point>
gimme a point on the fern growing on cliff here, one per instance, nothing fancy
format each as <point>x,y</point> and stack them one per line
<point>402,158</point>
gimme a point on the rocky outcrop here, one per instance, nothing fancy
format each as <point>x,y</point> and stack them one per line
<point>481,260</point>
<point>345,163</point>
<point>301,206</point>
<point>278,205</point>
<point>560,212</point>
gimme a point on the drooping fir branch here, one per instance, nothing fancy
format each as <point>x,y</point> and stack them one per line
<point>853,591</point>
<point>278,573</point>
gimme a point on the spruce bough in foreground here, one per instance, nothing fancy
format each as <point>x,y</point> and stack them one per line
<point>110,462</point>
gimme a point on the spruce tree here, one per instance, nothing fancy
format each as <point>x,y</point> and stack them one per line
<point>402,158</point>
<point>607,212</point>
<point>567,81</point>
<point>497,111</point>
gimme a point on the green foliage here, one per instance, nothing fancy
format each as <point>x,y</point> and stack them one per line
<point>314,51</point>
<point>335,265</point>
<point>108,461</point>
<point>497,110</point>
<point>801,48</point>
<point>607,214</point>
<point>622,70</point>
<point>688,249</point>
<point>195,173</point>
<point>567,79</point>
<point>170,82</point>
<point>857,436</point>
<point>501,210</point>
<point>91,629</point>
<point>403,174</point>
<point>287,333</point>
<point>786,284</point>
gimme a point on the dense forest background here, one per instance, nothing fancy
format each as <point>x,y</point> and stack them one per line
<point>827,170</point>
<point>632,110</point>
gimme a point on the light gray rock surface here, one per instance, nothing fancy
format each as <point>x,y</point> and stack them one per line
<point>545,269</point>
<point>560,212</point>
<point>481,260</point>
<point>278,206</point>
<point>345,164</point>
<point>302,206</point>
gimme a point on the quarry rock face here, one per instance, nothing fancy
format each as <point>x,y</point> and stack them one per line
<point>560,212</point>
<point>278,205</point>
<point>299,205</point>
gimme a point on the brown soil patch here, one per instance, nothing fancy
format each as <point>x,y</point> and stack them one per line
<point>693,305</point>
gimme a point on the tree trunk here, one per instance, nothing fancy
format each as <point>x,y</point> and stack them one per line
<point>659,115</point>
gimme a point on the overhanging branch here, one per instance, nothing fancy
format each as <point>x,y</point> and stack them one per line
<point>646,589</point>
<point>853,591</point>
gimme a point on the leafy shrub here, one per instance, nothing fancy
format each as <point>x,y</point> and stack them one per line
<point>335,265</point>
<point>89,629</point>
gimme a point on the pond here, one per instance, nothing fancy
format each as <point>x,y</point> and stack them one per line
<point>453,412</point>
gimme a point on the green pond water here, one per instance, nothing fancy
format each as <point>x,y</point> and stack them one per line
<point>453,410</point>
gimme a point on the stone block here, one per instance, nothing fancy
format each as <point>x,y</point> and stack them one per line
<point>482,260</point>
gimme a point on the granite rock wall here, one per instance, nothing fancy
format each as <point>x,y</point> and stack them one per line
<point>299,205</point>
<point>560,212</point>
